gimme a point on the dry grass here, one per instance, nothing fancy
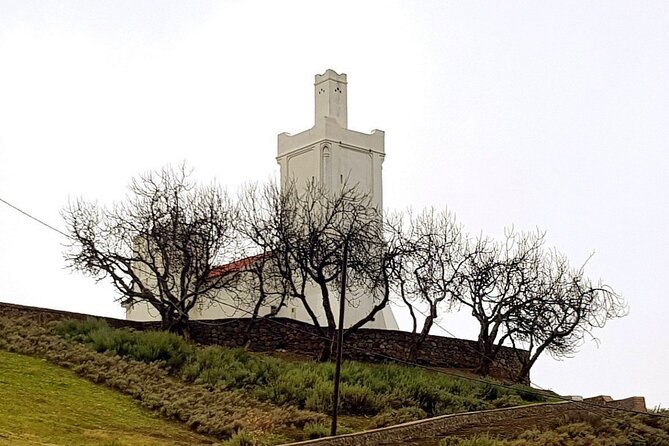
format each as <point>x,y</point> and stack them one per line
<point>242,397</point>
<point>593,430</point>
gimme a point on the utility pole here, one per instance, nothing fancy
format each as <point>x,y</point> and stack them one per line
<point>340,341</point>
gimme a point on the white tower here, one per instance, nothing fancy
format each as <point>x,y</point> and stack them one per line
<point>329,152</point>
<point>334,155</point>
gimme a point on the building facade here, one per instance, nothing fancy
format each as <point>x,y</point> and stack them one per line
<point>332,155</point>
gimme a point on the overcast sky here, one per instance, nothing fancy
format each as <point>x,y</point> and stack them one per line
<point>535,114</point>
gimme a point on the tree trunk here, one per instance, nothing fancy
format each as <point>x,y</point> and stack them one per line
<point>418,340</point>
<point>176,323</point>
<point>329,345</point>
<point>485,364</point>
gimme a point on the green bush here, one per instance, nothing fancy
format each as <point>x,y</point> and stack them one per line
<point>315,430</point>
<point>319,397</point>
<point>428,396</point>
<point>231,368</point>
<point>528,394</point>
<point>146,346</point>
<point>357,399</point>
<point>366,389</point>
<point>398,416</point>
<point>508,401</point>
<point>79,330</point>
<point>240,439</point>
<point>151,346</point>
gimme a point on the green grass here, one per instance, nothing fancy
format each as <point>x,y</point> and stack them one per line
<point>44,404</point>
<point>366,389</point>
<point>156,386</point>
<point>239,397</point>
<point>234,395</point>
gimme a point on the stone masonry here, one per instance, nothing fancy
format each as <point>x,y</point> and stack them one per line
<point>267,335</point>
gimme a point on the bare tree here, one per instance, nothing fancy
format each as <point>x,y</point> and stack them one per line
<point>160,246</point>
<point>427,268</point>
<point>494,281</point>
<point>528,297</point>
<point>304,232</point>
<point>562,309</point>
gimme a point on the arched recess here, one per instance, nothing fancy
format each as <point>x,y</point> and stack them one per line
<point>326,165</point>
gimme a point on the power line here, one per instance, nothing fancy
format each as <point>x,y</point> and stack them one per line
<point>390,358</point>
<point>540,392</point>
<point>581,403</point>
<point>444,372</point>
<point>587,406</point>
<point>34,218</point>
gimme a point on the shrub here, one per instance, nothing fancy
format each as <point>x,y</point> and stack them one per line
<point>319,398</point>
<point>315,430</point>
<point>508,401</point>
<point>428,396</point>
<point>358,400</point>
<point>240,438</point>
<point>149,346</point>
<point>366,389</point>
<point>79,330</point>
<point>398,416</point>
<point>529,394</point>
<point>115,341</point>
<point>231,368</point>
<point>146,346</point>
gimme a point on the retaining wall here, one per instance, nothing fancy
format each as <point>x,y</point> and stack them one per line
<point>497,422</point>
<point>264,334</point>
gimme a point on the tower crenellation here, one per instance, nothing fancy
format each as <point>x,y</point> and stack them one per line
<point>330,97</point>
<point>330,152</point>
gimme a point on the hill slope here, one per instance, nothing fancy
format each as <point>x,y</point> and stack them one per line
<point>46,404</point>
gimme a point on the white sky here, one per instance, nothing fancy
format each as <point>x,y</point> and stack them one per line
<point>537,114</point>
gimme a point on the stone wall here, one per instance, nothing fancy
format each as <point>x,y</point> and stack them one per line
<point>634,403</point>
<point>45,315</point>
<point>294,336</point>
<point>497,422</point>
<point>372,345</point>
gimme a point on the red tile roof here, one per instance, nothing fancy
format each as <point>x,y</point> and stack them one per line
<point>233,267</point>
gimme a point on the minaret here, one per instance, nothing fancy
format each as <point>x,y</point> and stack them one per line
<point>329,152</point>
<point>331,97</point>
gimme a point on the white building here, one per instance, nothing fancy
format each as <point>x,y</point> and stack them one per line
<point>332,154</point>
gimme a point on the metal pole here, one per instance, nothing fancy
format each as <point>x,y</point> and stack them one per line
<point>340,342</point>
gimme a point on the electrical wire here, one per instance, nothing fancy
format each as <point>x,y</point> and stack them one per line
<point>33,218</point>
<point>587,406</point>
<point>390,358</point>
<point>444,372</point>
<point>577,402</point>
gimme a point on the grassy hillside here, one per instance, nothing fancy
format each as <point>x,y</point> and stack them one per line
<point>232,394</point>
<point>46,404</point>
<point>367,389</point>
<point>235,396</point>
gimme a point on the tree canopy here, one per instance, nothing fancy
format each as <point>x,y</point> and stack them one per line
<point>164,246</point>
<point>160,245</point>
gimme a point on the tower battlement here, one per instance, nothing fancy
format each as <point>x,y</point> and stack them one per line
<point>330,93</point>
<point>330,152</point>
